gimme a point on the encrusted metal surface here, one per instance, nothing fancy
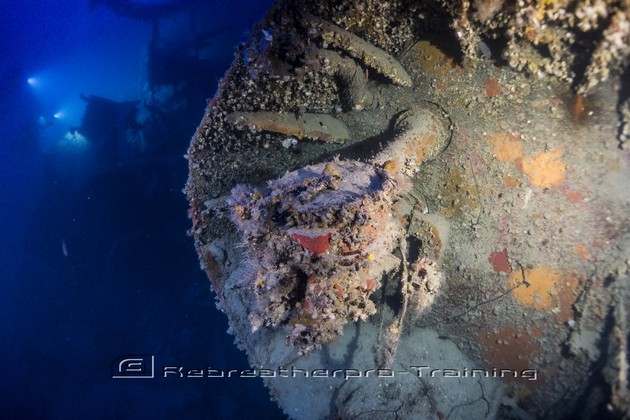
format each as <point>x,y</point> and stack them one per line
<point>513,242</point>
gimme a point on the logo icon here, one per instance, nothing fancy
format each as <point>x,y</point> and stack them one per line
<point>134,367</point>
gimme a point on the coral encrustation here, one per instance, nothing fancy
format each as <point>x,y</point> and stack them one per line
<point>315,235</point>
<point>321,238</point>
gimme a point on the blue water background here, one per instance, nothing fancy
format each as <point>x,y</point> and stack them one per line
<point>95,263</point>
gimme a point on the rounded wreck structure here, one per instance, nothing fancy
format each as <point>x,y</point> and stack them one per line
<point>419,263</point>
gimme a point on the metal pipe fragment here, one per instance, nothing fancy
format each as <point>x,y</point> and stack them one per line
<point>424,133</point>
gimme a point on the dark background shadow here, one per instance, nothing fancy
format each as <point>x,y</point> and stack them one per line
<point>95,263</point>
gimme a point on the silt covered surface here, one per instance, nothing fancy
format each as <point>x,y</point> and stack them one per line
<point>524,213</point>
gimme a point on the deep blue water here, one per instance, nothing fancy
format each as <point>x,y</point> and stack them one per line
<point>95,263</point>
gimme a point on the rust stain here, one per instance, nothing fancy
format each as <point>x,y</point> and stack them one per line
<point>506,147</point>
<point>499,261</point>
<point>538,289</point>
<point>545,169</point>
<point>492,87</point>
<point>578,107</point>
<point>513,349</point>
